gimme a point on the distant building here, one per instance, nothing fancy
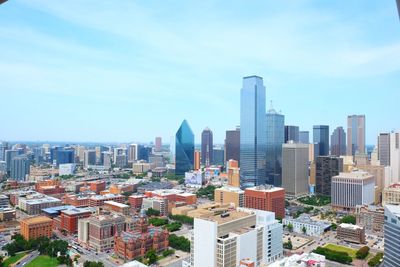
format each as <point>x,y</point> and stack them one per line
<point>234,176</point>
<point>35,227</point>
<point>20,168</point>
<point>89,158</point>
<point>313,228</point>
<point>355,134</point>
<point>133,151</point>
<point>197,160</point>
<point>266,197</point>
<point>67,169</point>
<point>338,142</point>
<point>106,159</point>
<point>391,195</point>
<point>304,137</point>
<point>156,203</point>
<point>326,168</point>
<point>207,147</point>
<point>184,149</point>
<point>384,149</point>
<point>392,236</point>
<point>9,155</point>
<point>232,144</point>
<point>292,133</point>
<point>158,144</point>
<point>351,233</point>
<point>7,214</point>
<point>371,218</point>
<point>352,189</point>
<point>321,136</point>
<point>194,178</point>
<point>218,158</point>
<point>394,157</point>
<point>117,207</point>
<point>295,169</point>
<point>4,201</point>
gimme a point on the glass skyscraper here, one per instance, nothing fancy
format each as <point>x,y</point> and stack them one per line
<point>184,149</point>
<point>275,138</point>
<point>253,132</point>
<point>321,136</point>
<point>207,146</point>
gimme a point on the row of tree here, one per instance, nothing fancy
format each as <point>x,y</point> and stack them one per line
<point>338,256</point>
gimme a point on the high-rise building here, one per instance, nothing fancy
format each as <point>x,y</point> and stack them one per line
<point>158,144</point>
<point>384,149</point>
<point>89,158</point>
<point>197,156</point>
<point>275,138</point>
<point>251,235</point>
<point>65,156</point>
<point>253,134</point>
<point>394,157</point>
<point>3,148</point>
<point>352,189</point>
<point>304,137</point>
<point>144,152</point>
<point>106,159</point>
<point>295,169</point>
<point>266,197</point>
<point>232,144</point>
<point>20,167</point>
<point>355,134</point>
<point>207,147</point>
<point>338,142</point>
<point>392,236</point>
<point>326,168</point>
<point>321,136</point>
<point>292,133</point>
<point>10,154</point>
<point>184,149</point>
<point>218,156</point>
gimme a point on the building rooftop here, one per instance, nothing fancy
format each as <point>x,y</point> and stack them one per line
<point>230,189</point>
<point>38,219</point>
<point>116,204</point>
<point>42,200</point>
<point>227,217</point>
<point>304,218</point>
<point>76,211</point>
<point>265,188</point>
<point>394,209</point>
<point>356,174</point>
<point>55,210</point>
<point>106,196</point>
<point>350,226</point>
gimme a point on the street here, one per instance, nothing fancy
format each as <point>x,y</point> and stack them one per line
<point>27,259</point>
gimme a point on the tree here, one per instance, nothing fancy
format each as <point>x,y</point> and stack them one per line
<point>290,227</point>
<point>338,256</point>
<point>152,212</point>
<point>168,252</point>
<point>334,226</point>
<point>348,219</point>
<point>179,242</point>
<point>304,230</point>
<point>288,245</point>
<point>56,246</point>
<point>93,264</point>
<point>362,253</point>
<point>376,260</point>
<point>173,227</point>
<point>1,261</point>
<point>182,219</point>
<point>158,221</point>
<point>151,256</point>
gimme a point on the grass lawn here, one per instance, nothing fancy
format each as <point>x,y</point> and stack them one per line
<point>350,251</point>
<point>14,259</point>
<point>43,261</point>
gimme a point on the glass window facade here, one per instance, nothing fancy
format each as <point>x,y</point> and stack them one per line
<point>321,136</point>
<point>275,138</point>
<point>253,134</point>
<point>184,149</point>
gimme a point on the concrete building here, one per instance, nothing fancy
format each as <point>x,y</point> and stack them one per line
<point>355,134</point>
<point>102,229</point>
<point>229,195</point>
<point>20,168</point>
<point>4,201</point>
<point>117,207</point>
<point>156,203</point>
<point>352,189</point>
<point>351,233</point>
<point>234,177</point>
<point>391,195</point>
<point>236,236</point>
<point>295,169</point>
<point>34,227</point>
<point>7,214</point>
<point>379,173</point>
<point>232,144</point>
<point>371,218</point>
<point>392,236</point>
<point>394,157</point>
<point>325,168</point>
<point>384,149</point>
<point>266,197</point>
<point>89,158</point>
<point>313,228</point>
<point>66,169</point>
<point>338,142</point>
<point>33,204</point>
<point>69,218</point>
<point>158,144</point>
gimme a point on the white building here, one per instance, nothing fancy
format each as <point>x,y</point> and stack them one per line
<point>194,178</point>
<point>302,260</point>
<point>66,169</point>
<point>313,228</point>
<point>352,189</point>
<point>392,236</point>
<point>295,169</point>
<point>237,235</point>
<point>394,157</point>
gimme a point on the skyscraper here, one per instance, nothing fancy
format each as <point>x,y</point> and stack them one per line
<point>184,149</point>
<point>304,137</point>
<point>232,144</point>
<point>158,144</point>
<point>321,136</point>
<point>9,155</point>
<point>295,169</point>
<point>275,138</point>
<point>219,156</point>
<point>392,236</point>
<point>394,157</point>
<point>253,134</point>
<point>3,148</point>
<point>326,168</point>
<point>20,167</point>
<point>89,158</point>
<point>338,142</point>
<point>384,149</point>
<point>355,134</point>
<point>291,133</point>
<point>207,153</point>
<point>133,152</point>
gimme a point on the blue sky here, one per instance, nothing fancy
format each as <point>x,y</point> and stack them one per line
<point>132,70</point>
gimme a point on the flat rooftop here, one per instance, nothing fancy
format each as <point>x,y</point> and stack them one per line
<point>116,204</point>
<point>350,226</point>
<point>233,215</point>
<point>38,219</point>
<point>57,209</point>
<point>265,188</point>
<point>76,211</point>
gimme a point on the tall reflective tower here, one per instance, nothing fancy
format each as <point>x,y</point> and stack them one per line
<point>207,147</point>
<point>184,149</point>
<point>275,138</point>
<point>253,134</point>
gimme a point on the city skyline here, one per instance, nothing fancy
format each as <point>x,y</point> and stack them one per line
<point>96,72</point>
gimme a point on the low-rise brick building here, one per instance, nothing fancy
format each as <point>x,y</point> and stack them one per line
<point>34,227</point>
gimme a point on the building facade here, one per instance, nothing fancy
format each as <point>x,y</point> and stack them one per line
<point>384,149</point>
<point>338,142</point>
<point>392,236</point>
<point>207,147</point>
<point>326,168</point>
<point>229,195</point>
<point>295,169</point>
<point>34,227</point>
<point>292,133</point>
<point>321,137</point>
<point>304,137</point>
<point>351,233</point>
<point>266,197</point>
<point>184,149</point>
<point>232,144</point>
<point>275,138</point>
<point>355,134</point>
<point>20,168</point>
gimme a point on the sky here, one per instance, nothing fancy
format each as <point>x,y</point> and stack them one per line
<point>121,71</point>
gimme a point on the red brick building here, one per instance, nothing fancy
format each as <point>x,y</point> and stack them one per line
<point>98,200</point>
<point>76,200</point>
<point>136,201</point>
<point>266,198</point>
<point>69,219</point>
<point>97,186</point>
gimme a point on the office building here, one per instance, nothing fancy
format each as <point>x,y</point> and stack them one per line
<point>234,237</point>
<point>197,160</point>
<point>338,142</point>
<point>7,214</point>
<point>295,169</point>
<point>219,156</point>
<point>69,218</point>
<point>158,144</point>
<point>20,168</point>
<point>184,149</point>
<point>384,149</point>
<point>9,155</point>
<point>321,137</point>
<point>121,161</point>
<point>207,147</point>
<point>144,237</point>
<point>33,204</point>
<point>3,148</point>
<point>313,228</point>
<point>156,203</point>
<point>379,173</point>
<point>266,197</point>
<point>304,137</point>
<point>351,233</point>
<point>292,133</point>
<point>106,159</point>
<point>144,152</point>
<point>355,134</point>
<point>89,158</point>
<point>98,200</point>
<point>232,144</point>
<point>64,156</point>
<point>66,169</point>
<point>371,218</point>
<point>35,227</point>
<point>391,195</point>
<point>253,134</point>
<point>102,229</point>
<point>132,153</point>
<point>116,207</point>
<point>326,168</point>
<point>229,195</point>
<point>394,157</point>
<point>352,189</point>
<point>392,236</point>
<point>234,176</point>
<point>275,138</point>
